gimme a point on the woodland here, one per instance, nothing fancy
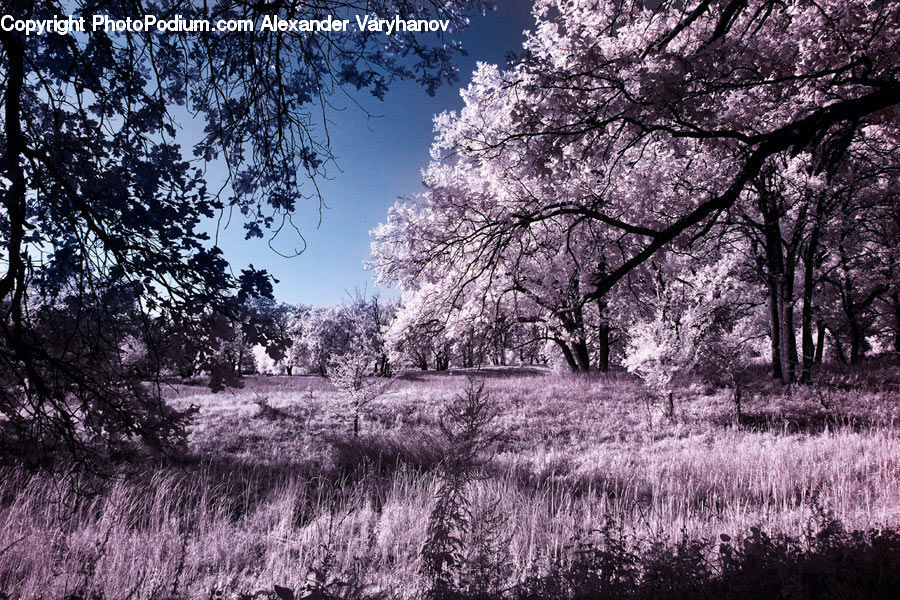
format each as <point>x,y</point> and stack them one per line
<point>645,340</point>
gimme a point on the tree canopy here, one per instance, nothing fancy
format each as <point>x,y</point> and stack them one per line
<point>627,129</point>
<point>106,206</point>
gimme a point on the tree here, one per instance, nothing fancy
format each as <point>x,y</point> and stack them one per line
<point>321,334</point>
<point>699,322</point>
<point>99,197</point>
<point>682,105</point>
<point>351,374</point>
<point>277,319</point>
<point>416,338</point>
<point>623,130</point>
<point>426,247</point>
<point>859,271</point>
<point>804,212</point>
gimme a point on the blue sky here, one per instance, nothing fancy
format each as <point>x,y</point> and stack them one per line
<point>381,159</point>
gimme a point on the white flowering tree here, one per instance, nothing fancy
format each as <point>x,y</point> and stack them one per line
<point>699,323</point>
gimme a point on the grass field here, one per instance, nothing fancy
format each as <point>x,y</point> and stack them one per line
<point>273,488</point>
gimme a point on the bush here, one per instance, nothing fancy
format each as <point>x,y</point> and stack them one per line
<point>831,563</point>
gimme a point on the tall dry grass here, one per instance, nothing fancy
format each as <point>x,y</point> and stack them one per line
<point>274,493</point>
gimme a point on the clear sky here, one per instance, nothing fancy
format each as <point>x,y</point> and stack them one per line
<point>381,159</point>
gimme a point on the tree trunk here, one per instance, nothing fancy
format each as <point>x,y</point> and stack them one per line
<point>774,249</point>
<point>838,348</point>
<point>567,354</point>
<point>603,348</point>
<point>895,299</point>
<point>787,319</point>
<point>14,199</point>
<point>792,343</point>
<point>775,329</point>
<point>809,264</point>
<point>573,324</point>
<point>289,369</point>
<point>582,356</point>
<point>856,342</point>
<point>383,366</point>
<point>788,329</point>
<point>809,348</point>
<point>603,337</point>
<point>855,329</point>
<point>820,341</point>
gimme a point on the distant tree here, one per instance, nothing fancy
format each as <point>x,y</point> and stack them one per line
<point>423,247</point>
<point>382,313</point>
<point>320,334</point>
<point>859,265</point>
<point>351,374</point>
<point>278,319</point>
<point>98,196</point>
<point>262,323</point>
<point>416,335</point>
<point>698,323</point>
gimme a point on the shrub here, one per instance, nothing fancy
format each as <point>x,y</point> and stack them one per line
<point>351,374</point>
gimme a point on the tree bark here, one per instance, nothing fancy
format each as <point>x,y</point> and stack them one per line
<point>603,337</point>
<point>856,342</point>
<point>774,275</point>
<point>578,357</point>
<point>14,200</point>
<point>820,341</point>
<point>582,356</point>
<point>441,361</point>
<point>809,265</point>
<point>792,339</point>
<point>787,330</point>
<point>838,348</point>
<point>775,328</point>
<point>853,324</point>
<point>567,354</point>
<point>895,299</point>
<point>603,348</point>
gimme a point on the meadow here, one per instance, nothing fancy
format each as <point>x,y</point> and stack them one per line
<point>578,481</point>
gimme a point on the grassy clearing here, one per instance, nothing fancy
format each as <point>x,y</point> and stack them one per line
<point>273,490</point>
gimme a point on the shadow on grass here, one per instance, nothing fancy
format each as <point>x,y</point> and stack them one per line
<point>809,423</point>
<point>478,373</point>
<point>383,454</point>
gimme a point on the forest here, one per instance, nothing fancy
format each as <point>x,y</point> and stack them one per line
<point>640,336</point>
